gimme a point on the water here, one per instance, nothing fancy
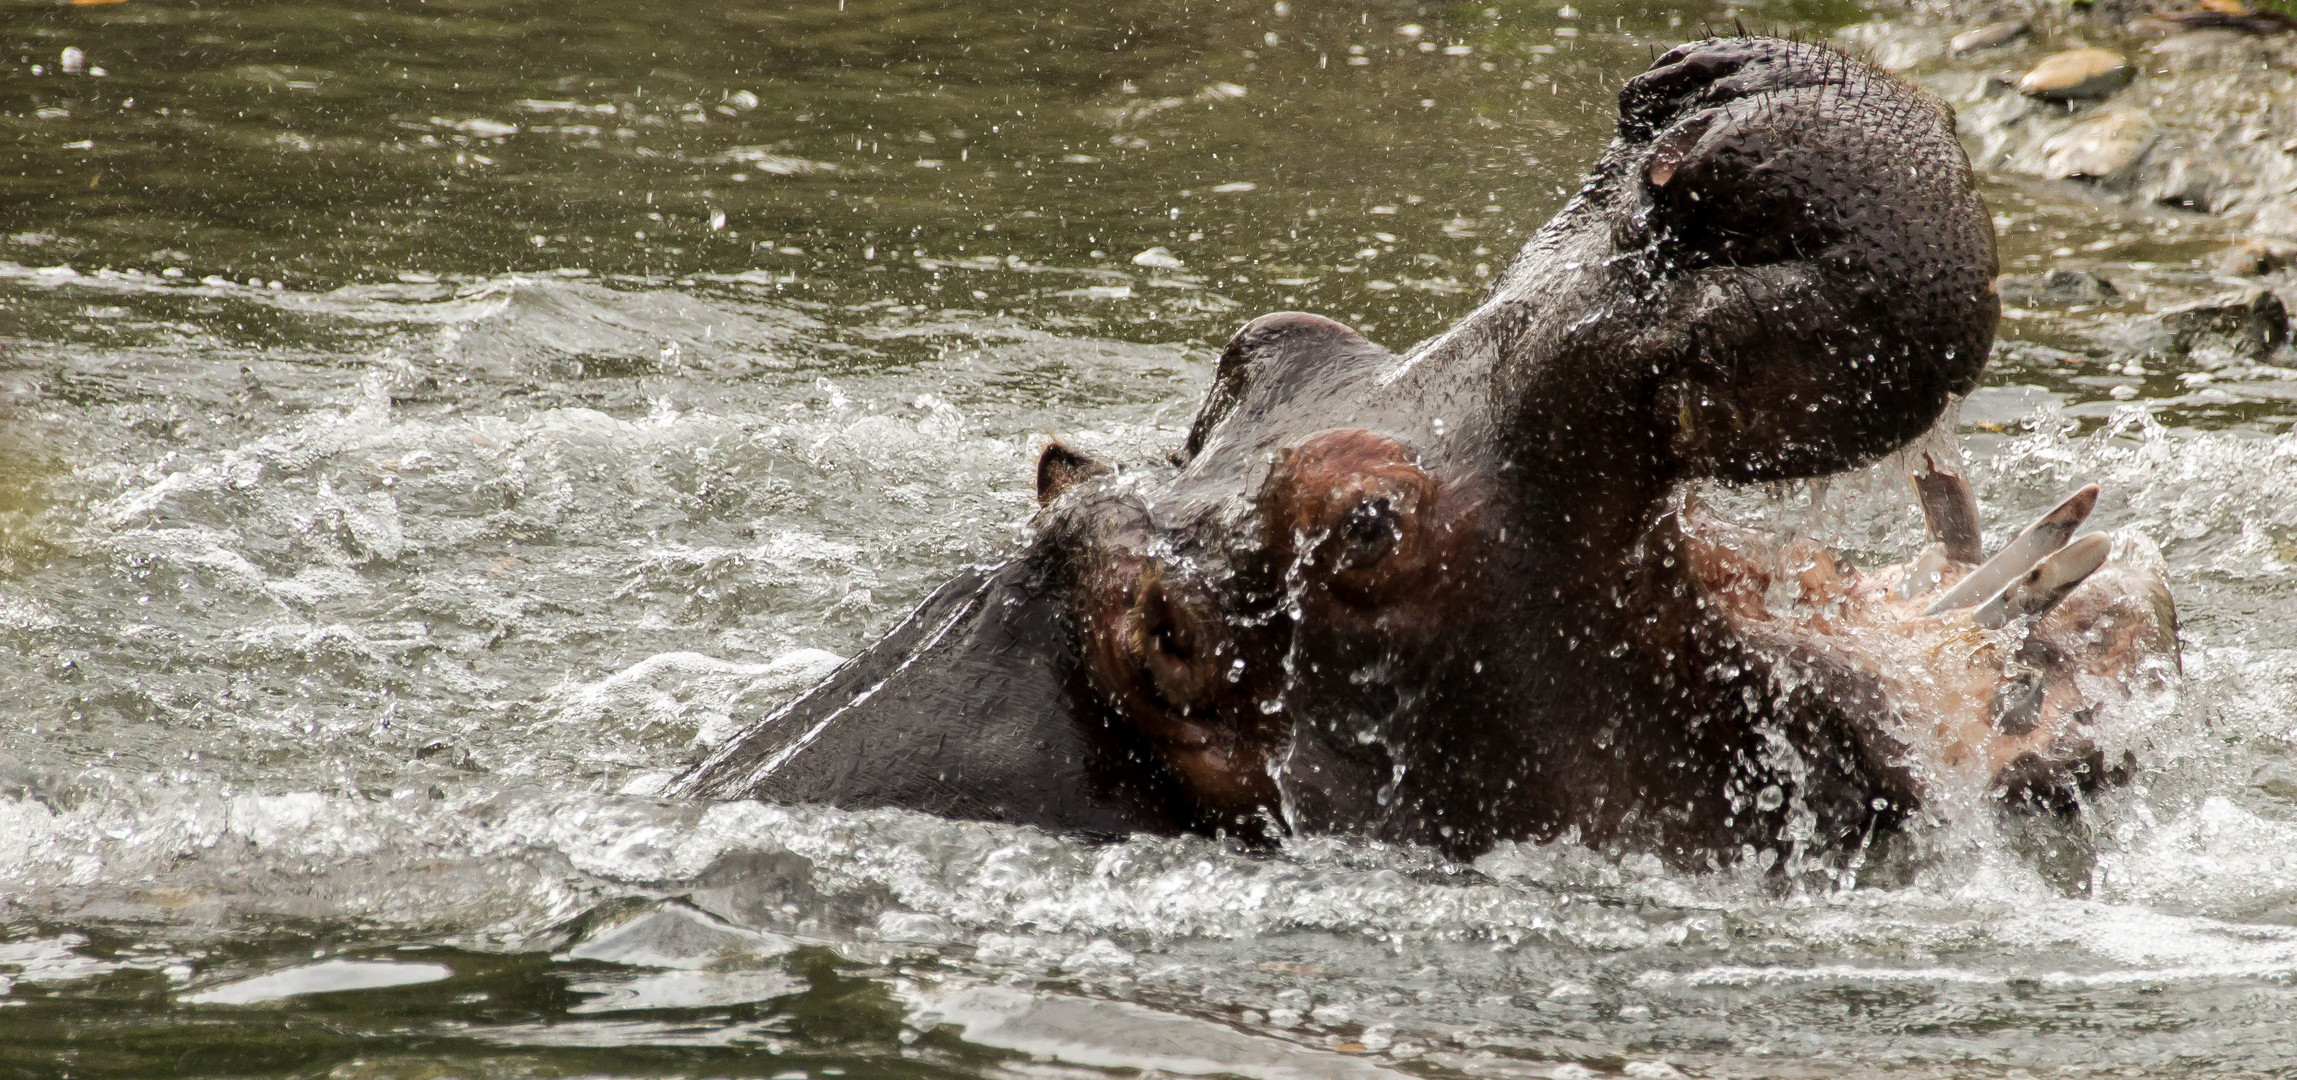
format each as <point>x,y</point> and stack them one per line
<point>429,425</point>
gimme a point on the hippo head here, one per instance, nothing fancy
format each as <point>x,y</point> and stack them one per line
<point>1437,597</point>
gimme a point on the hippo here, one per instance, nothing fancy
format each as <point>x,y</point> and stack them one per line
<point>1461,596</point>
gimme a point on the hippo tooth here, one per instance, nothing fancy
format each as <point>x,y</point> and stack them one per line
<point>2048,533</point>
<point>1949,512</point>
<point>2041,588</point>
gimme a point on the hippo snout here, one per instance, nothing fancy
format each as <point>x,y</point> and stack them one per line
<point>1704,73</point>
<point>1159,644</point>
<point>1819,263</point>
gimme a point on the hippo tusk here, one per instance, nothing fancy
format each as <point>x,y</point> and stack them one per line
<point>2042,587</point>
<point>1950,512</point>
<point>1928,570</point>
<point>2047,534</point>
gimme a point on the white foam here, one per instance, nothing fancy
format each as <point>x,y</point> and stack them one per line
<point>329,977</point>
<point>1119,1035</point>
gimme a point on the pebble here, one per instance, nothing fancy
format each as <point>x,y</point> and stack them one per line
<point>2276,218</point>
<point>2255,256</point>
<point>2203,182</point>
<point>1987,36</point>
<point>2236,8</point>
<point>2214,15</point>
<point>2060,286</point>
<point>2077,73</point>
<point>2202,50</point>
<point>2100,145</point>
<point>2251,324</point>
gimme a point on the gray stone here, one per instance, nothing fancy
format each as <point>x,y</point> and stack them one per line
<point>2099,146</point>
<point>2059,286</point>
<point>2248,324</point>
<point>2205,184</point>
<point>2254,256</point>
<point>1988,36</point>
<point>2276,217</point>
<point>2201,50</point>
<point>2216,139</point>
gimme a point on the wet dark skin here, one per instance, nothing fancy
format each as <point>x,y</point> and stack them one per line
<point>1456,597</point>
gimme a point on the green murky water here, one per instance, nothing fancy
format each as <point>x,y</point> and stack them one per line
<point>428,424</point>
<point>321,146</point>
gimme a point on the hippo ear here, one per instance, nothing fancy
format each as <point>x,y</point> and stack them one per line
<point>1278,355</point>
<point>1060,468</point>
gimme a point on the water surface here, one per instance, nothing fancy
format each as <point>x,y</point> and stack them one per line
<point>429,425</point>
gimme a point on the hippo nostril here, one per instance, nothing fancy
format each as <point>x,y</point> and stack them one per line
<point>1176,638</point>
<point>1651,100</point>
<point>1672,150</point>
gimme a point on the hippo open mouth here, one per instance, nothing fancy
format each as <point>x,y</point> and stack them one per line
<point>1455,598</point>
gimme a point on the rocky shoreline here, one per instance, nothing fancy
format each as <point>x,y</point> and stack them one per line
<point>2142,163</point>
<point>2196,119</point>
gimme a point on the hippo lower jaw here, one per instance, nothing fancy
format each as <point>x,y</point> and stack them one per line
<point>1445,598</point>
<point>949,714</point>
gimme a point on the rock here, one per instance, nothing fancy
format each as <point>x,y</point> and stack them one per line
<point>1885,45</point>
<point>2215,15</point>
<point>2254,256</point>
<point>2207,185</point>
<point>2056,287</point>
<point>1987,36</point>
<point>2077,74</point>
<point>2222,106</point>
<point>2211,139</point>
<point>2151,26</point>
<point>2100,145</point>
<point>2248,324</point>
<point>2203,49</point>
<point>2276,218</point>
